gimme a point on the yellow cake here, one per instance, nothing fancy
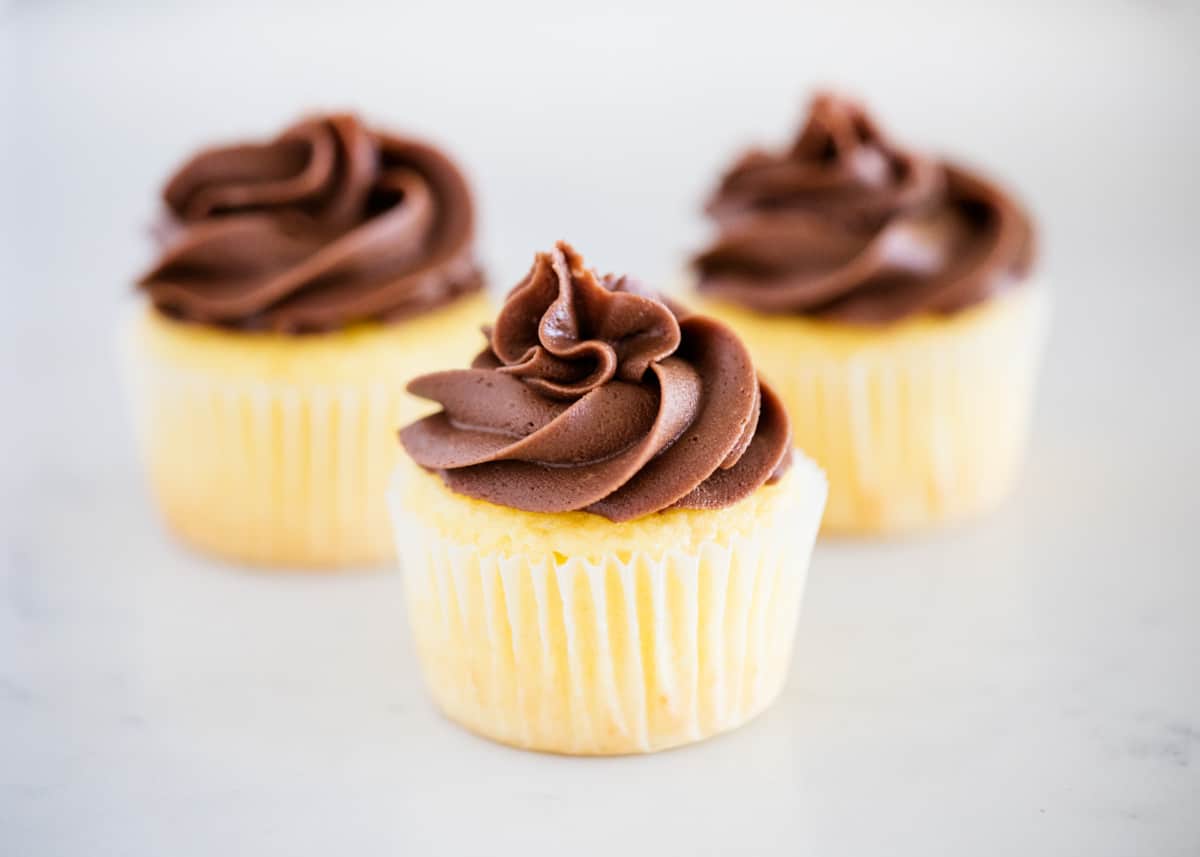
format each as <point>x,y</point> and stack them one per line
<point>889,297</point>
<point>301,281</point>
<point>603,531</point>
<point>274,449</point>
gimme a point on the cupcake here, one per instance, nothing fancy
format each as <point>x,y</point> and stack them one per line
<point>605,535</point>
<point>302,281</point>
<point>888,296</point>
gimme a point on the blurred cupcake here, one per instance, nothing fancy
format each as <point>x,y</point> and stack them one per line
<point>888,297</point>
<point>605,543</point>
<point>302,282</point>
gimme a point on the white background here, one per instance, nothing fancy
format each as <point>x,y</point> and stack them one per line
<point>1029,684</point>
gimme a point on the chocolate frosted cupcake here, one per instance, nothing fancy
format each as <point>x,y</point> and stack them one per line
<point>888,295</point>
<point>606,539</point>
<point>301,282</point>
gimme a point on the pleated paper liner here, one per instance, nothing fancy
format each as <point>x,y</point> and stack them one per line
<point>916,425</point>
<point>275,450</point>
<point>662,632</point>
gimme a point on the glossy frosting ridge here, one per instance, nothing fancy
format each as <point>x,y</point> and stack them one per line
<point>592,394</point>
<point>329,224</point>
<point>846,225</point>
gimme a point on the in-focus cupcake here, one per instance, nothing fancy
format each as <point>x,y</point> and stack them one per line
<point>302,281</point>
<point>888,297</point>
<point>606,539</point>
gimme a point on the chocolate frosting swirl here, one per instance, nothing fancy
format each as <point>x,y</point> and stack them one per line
<point>593,394</point>
<point>329,224</point>
<point>846,225</point>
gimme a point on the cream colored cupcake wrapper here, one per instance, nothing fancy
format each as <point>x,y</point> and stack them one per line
<point>275,450</point>
<point>918,429</point>
<point>627,652</point>
<point>272,474</point>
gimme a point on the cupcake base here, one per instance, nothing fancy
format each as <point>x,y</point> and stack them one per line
<point>917,424</point>
<point>275,450</point>
<point>570,634</point>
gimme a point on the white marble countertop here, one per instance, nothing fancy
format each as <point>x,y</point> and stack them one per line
<point>1029,684</point>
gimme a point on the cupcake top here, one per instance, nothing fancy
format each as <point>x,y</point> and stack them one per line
<point>846,225</point>
<point>593,394</point>
<point>329,224</point>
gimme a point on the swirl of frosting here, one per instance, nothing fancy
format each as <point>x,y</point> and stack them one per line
<point>329,224</point>
<point>594,395</point>
<point>847,226</point>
